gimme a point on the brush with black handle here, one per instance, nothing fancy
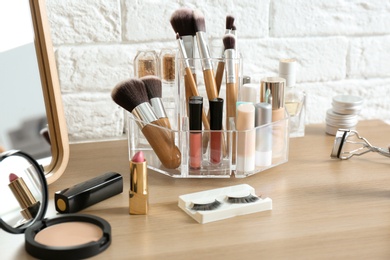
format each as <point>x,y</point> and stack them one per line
<point>132,96</point>
<point>153,88</point>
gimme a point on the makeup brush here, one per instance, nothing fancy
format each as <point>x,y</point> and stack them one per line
<point>182,21</point>
<point>221,64</point>
<point>229,42</point>
<point>153,88</point>
<point>132,96</point>
<point>204,54</point>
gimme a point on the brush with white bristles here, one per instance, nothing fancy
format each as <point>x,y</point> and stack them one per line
<point>132,96</point>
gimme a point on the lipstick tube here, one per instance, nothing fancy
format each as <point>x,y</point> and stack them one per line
<point>138,193</point>
<point>195,143</point>
<point>30,206</point>
<point>216,114</point>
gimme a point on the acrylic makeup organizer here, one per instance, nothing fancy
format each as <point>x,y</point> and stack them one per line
<point>176,108</point>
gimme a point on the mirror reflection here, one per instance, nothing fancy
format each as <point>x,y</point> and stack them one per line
<point>23,120</point>
<point>21,191</point>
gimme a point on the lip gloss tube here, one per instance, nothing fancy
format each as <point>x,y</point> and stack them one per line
<point>216,114</point>
<point>195,107</point>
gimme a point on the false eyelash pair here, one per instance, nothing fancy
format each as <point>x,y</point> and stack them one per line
<point>230,199</point>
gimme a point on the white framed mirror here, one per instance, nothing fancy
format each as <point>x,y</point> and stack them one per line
<point>30,91</point>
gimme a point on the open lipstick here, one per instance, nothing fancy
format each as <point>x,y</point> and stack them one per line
<point>138,193</point>
<point>30,206</point>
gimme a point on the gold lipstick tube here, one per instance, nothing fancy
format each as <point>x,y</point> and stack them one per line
<point>138,193</point>
<point>30,206</point>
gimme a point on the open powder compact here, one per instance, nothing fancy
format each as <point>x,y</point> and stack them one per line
<point>23,207</point>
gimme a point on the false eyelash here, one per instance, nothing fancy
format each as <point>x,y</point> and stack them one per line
<point>239,200</point>
<point>208,206</point>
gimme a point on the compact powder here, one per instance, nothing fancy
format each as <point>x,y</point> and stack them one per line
<point>69,234</point>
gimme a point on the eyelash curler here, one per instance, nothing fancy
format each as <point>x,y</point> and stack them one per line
<point>351,138</point>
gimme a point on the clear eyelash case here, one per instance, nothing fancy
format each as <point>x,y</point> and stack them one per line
<point>222,203</point>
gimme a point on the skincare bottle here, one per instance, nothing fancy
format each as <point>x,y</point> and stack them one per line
<point>294,98</point>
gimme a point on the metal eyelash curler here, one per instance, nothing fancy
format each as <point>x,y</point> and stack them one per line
<point>346,136</point>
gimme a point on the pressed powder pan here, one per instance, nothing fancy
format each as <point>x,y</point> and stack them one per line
<point>71,236</point>
<point>68,237</point>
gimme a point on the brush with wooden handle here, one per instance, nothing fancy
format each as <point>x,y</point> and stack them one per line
<point>221,64</point>
<point>131,95</point>
<point>153,88</point>
<point>182,22</point>
<point>229,41</point>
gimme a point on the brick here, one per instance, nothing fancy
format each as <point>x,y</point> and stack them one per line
<point>369,57</point>
<point>302,18</point>
<point>92,115</point>
<point>86,21</point>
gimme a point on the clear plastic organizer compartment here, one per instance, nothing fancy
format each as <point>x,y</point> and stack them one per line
<point>271,143</point>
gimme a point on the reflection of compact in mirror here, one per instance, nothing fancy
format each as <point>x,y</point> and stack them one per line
<point>24,205</point>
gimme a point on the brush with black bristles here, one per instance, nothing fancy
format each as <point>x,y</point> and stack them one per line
<point>221,64</point>
<point>204,54</point>
<point>231,69</point>
<point>153,88</point>
<point>182,21</point>
<point>132,96</point>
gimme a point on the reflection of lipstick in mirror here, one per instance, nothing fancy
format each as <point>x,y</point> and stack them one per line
<point>23,195</point>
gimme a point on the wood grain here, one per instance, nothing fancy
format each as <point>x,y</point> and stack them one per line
<point>322,208</point>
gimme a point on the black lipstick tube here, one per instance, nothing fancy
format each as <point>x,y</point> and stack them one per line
<point>87,193</point>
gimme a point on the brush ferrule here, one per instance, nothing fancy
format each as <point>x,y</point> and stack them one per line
<point>158,107</point>
<point>230,56</point>
<point>204,52</point>
<point>145,113</point>
<point>183,53</point>
<point>189,43</point>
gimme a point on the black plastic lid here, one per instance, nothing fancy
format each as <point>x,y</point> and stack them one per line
<point>195,112</point>
<point>216,113</point>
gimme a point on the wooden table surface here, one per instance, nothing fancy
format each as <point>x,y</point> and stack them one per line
<point>322,208</point>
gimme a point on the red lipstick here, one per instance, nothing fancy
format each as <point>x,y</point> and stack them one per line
<point>30,206</point>
<point>138,193</point>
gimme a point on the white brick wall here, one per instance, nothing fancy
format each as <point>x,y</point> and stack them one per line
<point>342,47</point>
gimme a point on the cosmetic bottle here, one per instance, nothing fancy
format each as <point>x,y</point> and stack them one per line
<point>145,63</point>
<point>272,92</point>
<point>294,98</point>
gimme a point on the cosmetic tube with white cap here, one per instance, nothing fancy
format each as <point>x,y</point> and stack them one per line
<point>246,138</point>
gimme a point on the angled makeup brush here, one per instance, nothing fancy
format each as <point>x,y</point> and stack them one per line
<point>229,42</point>
<point>132,96</point>
<point>221,64</point>
<point>204,54</point>
<point>153,88</point>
